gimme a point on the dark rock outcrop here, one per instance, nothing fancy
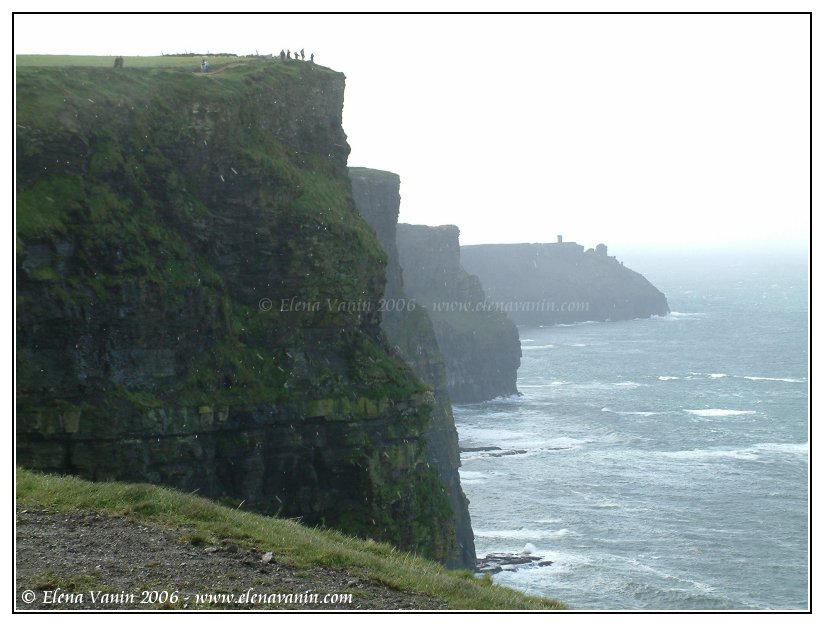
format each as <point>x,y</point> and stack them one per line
<point>552,283</point>
<point>496,562</point>
<point>197,300</point>
<point>410,331</point>
<point>479,344</point>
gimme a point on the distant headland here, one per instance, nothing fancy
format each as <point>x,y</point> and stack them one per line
<point>561,282</point>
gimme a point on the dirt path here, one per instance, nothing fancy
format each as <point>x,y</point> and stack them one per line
<point>87,555</point>
<point>219,70</point>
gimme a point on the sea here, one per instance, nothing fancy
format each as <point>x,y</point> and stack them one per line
<point>663,463</point>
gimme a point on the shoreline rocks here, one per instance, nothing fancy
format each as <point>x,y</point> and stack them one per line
<point>496,562</point>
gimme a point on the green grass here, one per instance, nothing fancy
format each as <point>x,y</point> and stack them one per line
<point>193,62</point>
<point>291,543</point>
<point>188,63</point>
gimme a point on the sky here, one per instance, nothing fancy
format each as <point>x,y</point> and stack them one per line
<point>639,131</point>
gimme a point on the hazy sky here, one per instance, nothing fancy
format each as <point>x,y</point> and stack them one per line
<point>634,130</point>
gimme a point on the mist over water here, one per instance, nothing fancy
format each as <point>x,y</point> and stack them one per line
<point>661,463</point>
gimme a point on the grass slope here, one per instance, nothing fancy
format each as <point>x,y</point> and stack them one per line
<point>289,541</point>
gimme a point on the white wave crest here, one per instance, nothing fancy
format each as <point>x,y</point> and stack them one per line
<point>554,383</point>
<point>709,455</point>
<point>717,412</point>
<point>642,413</point>
<point>528,534</point>
<point>716,375</point>
<point>468,476</point>
<point>783,448</point>
<point>751,453</point>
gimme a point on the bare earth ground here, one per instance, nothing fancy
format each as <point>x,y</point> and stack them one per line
<point>83,552</point>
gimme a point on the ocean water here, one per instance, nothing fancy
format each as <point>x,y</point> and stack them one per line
<point>662,463</point>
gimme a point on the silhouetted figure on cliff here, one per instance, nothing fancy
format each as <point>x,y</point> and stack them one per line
<point>288,54</point>
<point>302,56</point>
<point>282,55</point>
<point>296,57</point>
<point>312,58</point>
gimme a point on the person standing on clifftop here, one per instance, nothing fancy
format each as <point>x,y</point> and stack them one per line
<point>302,56</point>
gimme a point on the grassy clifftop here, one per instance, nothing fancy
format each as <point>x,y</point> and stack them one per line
<point>203,523</point>
<point>183,61</point>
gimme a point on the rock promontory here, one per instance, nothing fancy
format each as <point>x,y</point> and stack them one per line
<point>560,283</point>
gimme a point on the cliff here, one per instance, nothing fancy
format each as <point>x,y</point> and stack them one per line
<point>409,329</point>
<point>551,283</point>
<point>480,345</point>
<point>197,300</point>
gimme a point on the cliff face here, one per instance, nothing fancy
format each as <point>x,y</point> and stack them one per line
<point>197,300</point>
<point>480,346</point>
<point>410,330</point>
<point>561,283</point>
